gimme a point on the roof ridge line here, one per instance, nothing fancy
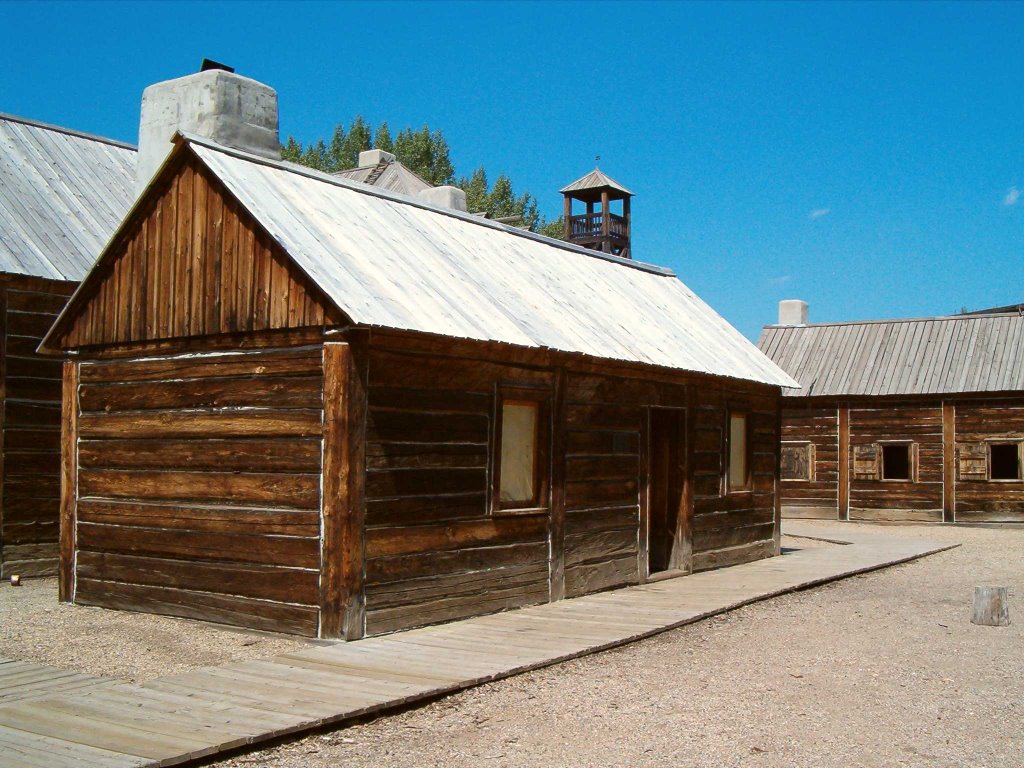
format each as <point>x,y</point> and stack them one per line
<point>68,131</point>
<point>366,189</point>
<point>936,318</point>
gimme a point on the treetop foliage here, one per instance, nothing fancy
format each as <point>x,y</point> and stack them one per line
<point>426,153</point>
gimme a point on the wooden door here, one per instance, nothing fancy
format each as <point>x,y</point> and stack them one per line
<point>666,486</point>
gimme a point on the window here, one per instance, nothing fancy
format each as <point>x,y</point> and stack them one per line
<point>896,462</point>
<point>797,461</point>
<point>738,470</point>
<point>1004,461</point>
<point>521,456</point>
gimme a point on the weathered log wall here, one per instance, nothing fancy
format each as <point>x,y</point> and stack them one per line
<point>433,550</point>
<point>30,427</point>
<point>730,526</point>
<point>979,499</point>
<point>818,427</point>
<point>198,484</point>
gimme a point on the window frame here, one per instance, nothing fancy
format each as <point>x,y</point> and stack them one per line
<point>988,461</point>
<point>541,501</point>
<point>911,447</point>
<point>748,480</point>
<point>809,450</point>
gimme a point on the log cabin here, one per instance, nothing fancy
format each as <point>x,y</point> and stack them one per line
<point>299,403</point>
<point>902,420</point>
<point>62,194</point>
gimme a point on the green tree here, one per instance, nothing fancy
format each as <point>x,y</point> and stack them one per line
<point>292,151</point>
<point>382,138</point>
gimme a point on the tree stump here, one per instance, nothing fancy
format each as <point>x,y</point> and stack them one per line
<point>991,607</point>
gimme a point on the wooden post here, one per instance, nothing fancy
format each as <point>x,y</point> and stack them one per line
<point>844,462</point>
<point>606,245</point>
<point>68,482</point>
<point>644,497</point>
<point>628,253</point>
<point>948,462</point>
<point>686,515</point>
<point>777,538</point>
<point>3,409</point>
<point>342,602</point>
<point>556,570</point>
<point>567,216</point>
<point>991,607</point>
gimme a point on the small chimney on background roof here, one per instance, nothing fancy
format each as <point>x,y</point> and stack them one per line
<point>215,103</point>
<point>792,312</point>
<point>374,157</point>
<point>444,197</point>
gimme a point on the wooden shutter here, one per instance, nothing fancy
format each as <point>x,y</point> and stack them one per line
<point>865,462</point>
<point>972,461</point>
<point>797,461</point>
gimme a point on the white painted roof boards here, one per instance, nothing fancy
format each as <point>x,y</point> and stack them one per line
<point>392,262</point>
<point>926,356</point>
<point>62,195</point>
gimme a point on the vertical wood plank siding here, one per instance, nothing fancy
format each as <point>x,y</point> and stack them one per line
<point>195,264</point>
<point>199,487</point>
<point>818,426</point>
<point>29,427</point>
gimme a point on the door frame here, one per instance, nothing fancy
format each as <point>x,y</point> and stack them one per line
<point>681,560</point>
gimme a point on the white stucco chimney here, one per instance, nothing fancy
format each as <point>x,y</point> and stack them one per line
<point>374,157</point>
<point>444,197</point>
<point>217,104</point>
<point>792,312</point>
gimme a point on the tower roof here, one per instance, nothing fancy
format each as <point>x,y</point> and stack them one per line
<point>595,181</point>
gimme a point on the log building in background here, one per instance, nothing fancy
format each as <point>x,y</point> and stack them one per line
<point>900,420</point>
<point>62,194</point>
<point>299,403</point>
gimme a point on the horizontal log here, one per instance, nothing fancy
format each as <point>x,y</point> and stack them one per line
<point>602,442</point>
<point>385,569</point>
<point>31,487</point>
<point>200,545</point>
<point>425,455</point>
<point>582,494</point>
<point>31,415</point>
<point>221,609</point>
<point>35,301</point>
<point>470,586</point>
<point>585,389</point>
<point>253,454</point>
<point>400,369</point>
<point>589,520</point>
<point>966,513</point>
<point>703,561</point>
<point>265,363</point>
<point>31,463</point>
<point>32,324</point>
<point>601,467</point>
<point>426,427</point>
<point>16,439</point>
<point>600,547</point>
<point>29,532</point>
<point>732,519</point>
<point>809,512</point>
<point>498,531</point>
<point>618,417</point>
<point>240,422</point>
<point>707,540</point>
<point>894,514</point>
<point>35,551</point>
<point>593,577</point>
<point>411,510</point>
<point>272,391</point>
<point>272,489</point>
<point>28,569</point>
<point>21,509</point>
<point>33,389</point>
<point>384,483</point>
<point>238,520</point>
<point>34,367</point>
<point>430,400</point>
<point>289,585</point>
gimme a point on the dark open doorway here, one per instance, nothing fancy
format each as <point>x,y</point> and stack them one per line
<point>666,483</point>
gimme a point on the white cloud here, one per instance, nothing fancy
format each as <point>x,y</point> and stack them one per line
<point>1012,196</point>
<point>817,213</point>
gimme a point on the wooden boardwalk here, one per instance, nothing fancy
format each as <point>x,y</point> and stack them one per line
<point>185,717</point>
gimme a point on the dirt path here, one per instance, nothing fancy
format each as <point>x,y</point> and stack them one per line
<point>879,670</point>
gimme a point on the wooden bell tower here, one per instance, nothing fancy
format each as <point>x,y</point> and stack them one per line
<point>599,229</point>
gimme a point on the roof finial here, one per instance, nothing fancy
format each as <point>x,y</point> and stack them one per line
<point>597,161</point>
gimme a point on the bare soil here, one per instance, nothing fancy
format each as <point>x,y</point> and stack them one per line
<point>121,644</point>
<point>879,670</point>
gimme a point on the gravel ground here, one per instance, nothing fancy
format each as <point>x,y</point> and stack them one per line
<point>130,646</point>
<point>883,669</point>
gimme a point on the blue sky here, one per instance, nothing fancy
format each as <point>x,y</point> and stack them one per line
<point>866,158</point>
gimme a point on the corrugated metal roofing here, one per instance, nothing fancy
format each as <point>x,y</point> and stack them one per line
<point>596,179</point>
<point>921,356</point>
<point>392,262</point>
<point>393,176</point>
<point>62,195</point>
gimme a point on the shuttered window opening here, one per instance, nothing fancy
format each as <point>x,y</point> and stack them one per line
<point>798,461</point>
<point>1004,461</point>
<point>897,462</point>
<point>739,476</point>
